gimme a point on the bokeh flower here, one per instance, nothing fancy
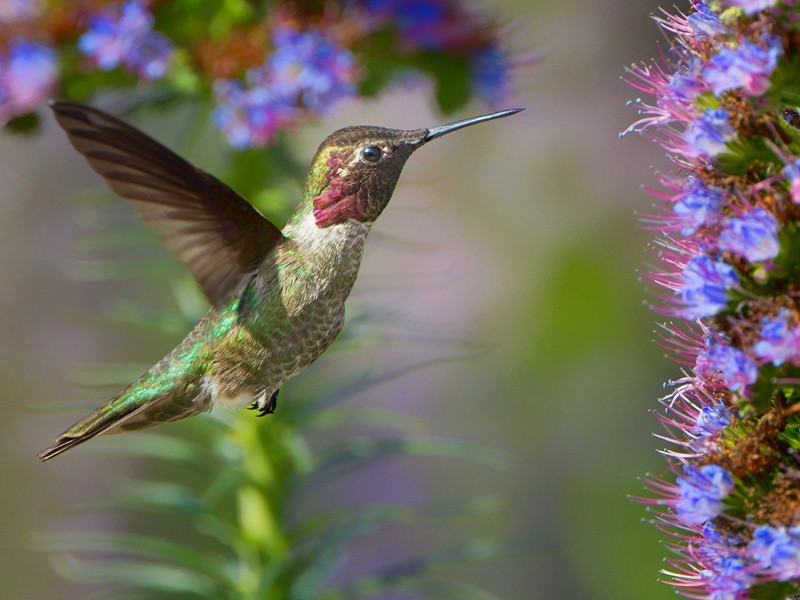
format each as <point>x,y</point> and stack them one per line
<point>122,34</point>
<point>13,11</point>
<point>306,72</point>
<point>28,75</point>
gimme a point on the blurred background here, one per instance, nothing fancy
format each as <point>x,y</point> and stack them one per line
<point>514,242</point>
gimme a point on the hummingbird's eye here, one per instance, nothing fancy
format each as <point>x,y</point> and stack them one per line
<point>371,154</point>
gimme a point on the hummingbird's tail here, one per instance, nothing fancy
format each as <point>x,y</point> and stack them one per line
<point>138,406</point>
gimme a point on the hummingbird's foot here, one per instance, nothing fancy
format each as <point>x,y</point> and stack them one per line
<point>264,406</point>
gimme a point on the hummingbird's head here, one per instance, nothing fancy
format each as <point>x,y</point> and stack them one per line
<point>355,170</point>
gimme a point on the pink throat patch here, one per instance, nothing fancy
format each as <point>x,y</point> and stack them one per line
<point>339,202</point>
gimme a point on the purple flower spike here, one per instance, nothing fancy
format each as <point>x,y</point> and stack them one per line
<point>728,222</point>
<point>701,492</point>
<point>699,205</point>
<point>27,76</point>
<point>748,67</point>
<point>777,551</point>
<point>754,235</point>
<point>704,290</point>
<point>707,135</point>
<point>779,342</point>
<point>732,366</point>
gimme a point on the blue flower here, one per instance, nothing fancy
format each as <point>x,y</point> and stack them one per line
<point>249,116</point>
<point>701,492</point>
<point>728,569</point>
<point>123,35</point>
<point>422,23</point>
<point>704,289</point>
<point>699,205</point>
<point>754,235</point>
<point>309,66</point>
<point>732,366</point>
<point>710,421</point>
<point>705,23</point>
<point>685,83</point>
<point>708,134</point>
<point>306,72</point>
<point>28,75</point>
<point>490,75</point>
<point>747,66</point>
<point>779,342</point>
<point>777,550</point>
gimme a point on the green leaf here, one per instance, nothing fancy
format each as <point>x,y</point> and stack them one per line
<point>788,259</point>
<point>784,88</point>
<point>774,590</point>
<point>451,75</point>
<point>142,575</point>
<point>24,124</point>
<point>744,154</point>
<point>378,57</point>
<point>791,434</point>
<point>764,389</point>
<point>140,546</point>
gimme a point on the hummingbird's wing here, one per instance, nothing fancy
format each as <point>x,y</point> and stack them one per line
<point>217,234</point>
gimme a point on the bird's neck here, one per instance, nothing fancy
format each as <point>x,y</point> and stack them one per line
<point>331,246</point>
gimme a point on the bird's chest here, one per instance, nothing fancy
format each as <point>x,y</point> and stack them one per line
<point>297,309</point>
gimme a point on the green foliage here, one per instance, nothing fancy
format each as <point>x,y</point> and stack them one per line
<point>24,124</point>
<point>791,434</point>
<point>784,87</point>
<point>746,154</point>
<point>773,590</point>
<point>788,259</point>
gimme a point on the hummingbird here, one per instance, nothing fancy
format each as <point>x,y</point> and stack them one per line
<point>277,296</point>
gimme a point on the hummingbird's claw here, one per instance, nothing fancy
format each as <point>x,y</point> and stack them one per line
<point>265,408</point>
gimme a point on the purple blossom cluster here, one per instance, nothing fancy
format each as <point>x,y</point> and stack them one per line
<point>729,248</point>
<point>307,71</point>
<point>28,75</point>
<point>122,34</point>
<point>312,60</point>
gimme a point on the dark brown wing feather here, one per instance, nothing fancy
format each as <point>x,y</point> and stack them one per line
<point>217,234</point>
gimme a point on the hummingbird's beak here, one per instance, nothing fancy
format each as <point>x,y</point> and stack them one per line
<point>436,132</point>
